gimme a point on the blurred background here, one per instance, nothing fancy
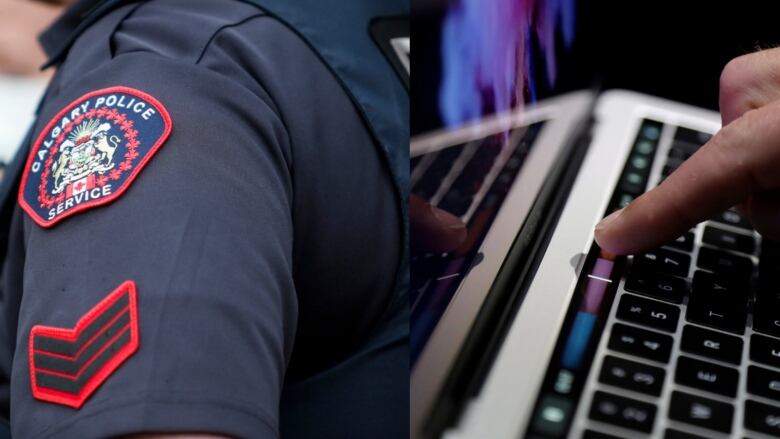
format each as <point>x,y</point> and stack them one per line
<point>669,48</point>
<point>21,82</point>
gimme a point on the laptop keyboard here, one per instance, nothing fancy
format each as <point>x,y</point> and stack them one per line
<point>690,346</point>
<point>470,181</point>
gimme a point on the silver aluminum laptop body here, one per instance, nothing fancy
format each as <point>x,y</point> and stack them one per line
<point>504,402</point>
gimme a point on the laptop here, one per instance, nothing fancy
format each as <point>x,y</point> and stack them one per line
<point>529,330</point>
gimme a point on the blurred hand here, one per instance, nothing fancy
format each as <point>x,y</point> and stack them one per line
<point>432,229</point>
<point>740,166</point>
<point>20,23</point>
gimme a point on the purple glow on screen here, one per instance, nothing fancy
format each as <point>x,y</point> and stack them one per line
<point>486,47</point>
<point>597,285</point>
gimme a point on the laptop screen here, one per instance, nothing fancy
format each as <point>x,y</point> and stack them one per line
<point>475,59</point>
<point>470,180</point>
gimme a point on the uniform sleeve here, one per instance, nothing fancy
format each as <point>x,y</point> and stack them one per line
<point>195,252</point>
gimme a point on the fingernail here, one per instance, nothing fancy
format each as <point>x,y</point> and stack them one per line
<point>447,219</point>
<point>606,222</point>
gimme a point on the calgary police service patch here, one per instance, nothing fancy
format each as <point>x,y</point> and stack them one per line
<point>91,152</point>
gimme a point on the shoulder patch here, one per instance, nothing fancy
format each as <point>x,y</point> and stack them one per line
<point>68,365</point>
<point>91,152</point>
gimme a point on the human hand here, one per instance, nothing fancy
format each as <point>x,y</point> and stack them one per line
<point>432,229</point>
<point>740,166</point>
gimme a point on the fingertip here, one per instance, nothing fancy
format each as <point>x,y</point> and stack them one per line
<point>605,223</point>
<point>453,230</point>
<point>459,236</point>
<point>448,220</point>
<point>436,230</point>
<point>607,236</point>
<point>606,243</point>
<point>604,254</point>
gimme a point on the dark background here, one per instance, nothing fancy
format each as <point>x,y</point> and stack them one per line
<point>672,49</point>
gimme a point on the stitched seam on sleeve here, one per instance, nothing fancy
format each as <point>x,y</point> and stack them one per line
<point>219,31</point>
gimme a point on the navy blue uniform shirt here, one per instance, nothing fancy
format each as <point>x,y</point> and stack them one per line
<point>206,239</point>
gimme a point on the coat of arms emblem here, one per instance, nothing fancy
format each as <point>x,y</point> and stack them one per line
<point>88,150</point>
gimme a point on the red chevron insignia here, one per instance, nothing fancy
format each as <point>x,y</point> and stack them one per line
<point>68,365</point>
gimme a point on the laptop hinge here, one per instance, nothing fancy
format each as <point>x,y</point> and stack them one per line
<point>503,301</point>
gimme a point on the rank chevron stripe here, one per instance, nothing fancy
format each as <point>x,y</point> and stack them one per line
<point>68,365</point>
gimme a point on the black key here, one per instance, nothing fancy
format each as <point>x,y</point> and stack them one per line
<point>665,261</point>
<point>732,218</point>
<point>590,434</point>
<point>720,284</point>
<point>651,130</point>
<point>648,312</point>
<point>658,285</point>
<point>668,169</point>
<point>673,162</point>
<point>766,311</point>
<point>427,186</point>
<point>702,412</point>
<point>711,344</point>
<point>763,382</point>
<point>684,242</point>
<point>765,350</point>
<point>729,240</point>
<point>724,263</point>
<point>645,344</point>
<point>552,416</point>
<point>623,200</point>
<point>456,201</point>
<point>676,434</point>
<point>639,164</point>
<point>461,194</point>
<point>766,316</point>
<point>633,183</point>
<point>706,376</point>
<point>500,188</point>
<point>680,151</point>
<point>695,138</point>
<point>623,412</point>
<point>632,375</point>
<point>762,418</point>
<point>768,284</point>
<point>718,302</point>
